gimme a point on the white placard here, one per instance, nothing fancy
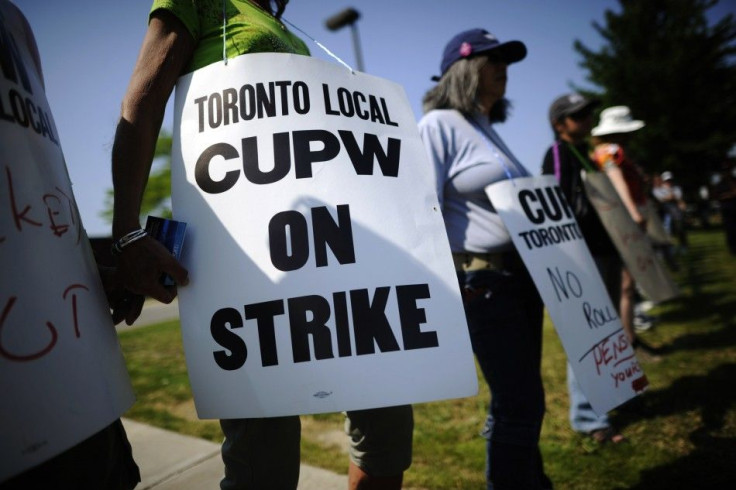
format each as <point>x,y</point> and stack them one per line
<point>544,231</point>
<point>321,278</point>
<point>62,374</point>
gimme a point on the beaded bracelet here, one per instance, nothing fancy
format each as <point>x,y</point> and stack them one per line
<point>127,239</point>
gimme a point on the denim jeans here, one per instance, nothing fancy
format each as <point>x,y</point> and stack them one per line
<point>582,417</point>
<point>504,314</point>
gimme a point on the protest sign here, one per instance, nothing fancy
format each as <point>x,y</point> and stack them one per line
<point>544,231</point>
<point>656,231</point>
<point>630,240</point>
<point>321,278</point>
<point>62,374</point>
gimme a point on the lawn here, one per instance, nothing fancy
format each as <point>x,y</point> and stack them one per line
<point>681,433</point>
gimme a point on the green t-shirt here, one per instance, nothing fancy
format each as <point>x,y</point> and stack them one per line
<point>249,29</point>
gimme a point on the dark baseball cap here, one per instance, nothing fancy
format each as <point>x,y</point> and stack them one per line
<point>476,41</point>
<point>570,104</point>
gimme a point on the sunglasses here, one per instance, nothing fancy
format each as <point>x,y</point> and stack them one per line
<point>581,115</point>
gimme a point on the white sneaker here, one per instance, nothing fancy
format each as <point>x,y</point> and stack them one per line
<point>643,306</point>
<point>643,322</point>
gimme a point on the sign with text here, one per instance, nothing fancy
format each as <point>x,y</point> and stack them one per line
<point>544,231</point>
<point>62,374</point>
<point>632,243</point>
<point>321,278</point>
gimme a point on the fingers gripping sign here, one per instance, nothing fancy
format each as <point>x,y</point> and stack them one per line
<point>143,263</point>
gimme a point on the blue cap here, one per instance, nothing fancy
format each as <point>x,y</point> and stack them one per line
<point>477,41</point>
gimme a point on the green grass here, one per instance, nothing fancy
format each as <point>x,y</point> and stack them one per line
<point>681,433</point>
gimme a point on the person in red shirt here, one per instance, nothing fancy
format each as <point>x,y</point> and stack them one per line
<point>610,139</point>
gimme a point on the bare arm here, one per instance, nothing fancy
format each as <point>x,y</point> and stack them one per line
<point>166,49</point>
<point>617,179</point>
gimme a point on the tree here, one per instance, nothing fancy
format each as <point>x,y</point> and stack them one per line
<point>677,73</point>
<point>157,196</point>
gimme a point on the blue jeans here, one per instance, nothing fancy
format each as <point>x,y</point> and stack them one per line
<point>582,417</point>
<point>505,313</point>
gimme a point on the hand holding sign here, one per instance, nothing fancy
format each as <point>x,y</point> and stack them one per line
<point>141,265</point>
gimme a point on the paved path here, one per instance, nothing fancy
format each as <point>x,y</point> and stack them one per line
<point>172,461</point>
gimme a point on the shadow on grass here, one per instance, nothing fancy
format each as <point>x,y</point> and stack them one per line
<point>693,307</point>
<point>703,403</point>
<point>710,463</point>
<point>708,298</point>
<point>713,340</point>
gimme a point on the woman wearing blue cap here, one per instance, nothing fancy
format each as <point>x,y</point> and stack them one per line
<point>503,308</point>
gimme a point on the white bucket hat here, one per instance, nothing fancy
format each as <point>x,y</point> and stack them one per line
<point>616,120</point>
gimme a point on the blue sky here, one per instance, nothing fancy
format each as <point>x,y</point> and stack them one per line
<point>89,47</point>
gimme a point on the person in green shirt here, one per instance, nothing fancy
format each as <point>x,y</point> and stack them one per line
<point>183,36</point>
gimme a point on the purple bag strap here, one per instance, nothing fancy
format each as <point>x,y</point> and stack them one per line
<point>556,155</point>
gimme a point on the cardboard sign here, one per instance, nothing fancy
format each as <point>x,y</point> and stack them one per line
<point>62,375</point>
<point>544,231</point>
<point>630,240</point>
<point>321,278</point>
<point>655,228</point>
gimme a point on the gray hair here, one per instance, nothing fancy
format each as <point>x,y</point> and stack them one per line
<point>458,88</point>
